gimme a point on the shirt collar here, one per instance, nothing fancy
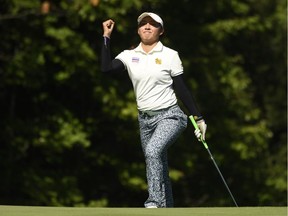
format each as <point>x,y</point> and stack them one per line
<point>157,48</point>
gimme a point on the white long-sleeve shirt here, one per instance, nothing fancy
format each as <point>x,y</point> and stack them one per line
<point>151,75</point>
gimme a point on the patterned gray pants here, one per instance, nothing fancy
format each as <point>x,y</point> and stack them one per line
<point>157,133</point>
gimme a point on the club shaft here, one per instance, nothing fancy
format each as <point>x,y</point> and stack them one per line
<point>214,162</point>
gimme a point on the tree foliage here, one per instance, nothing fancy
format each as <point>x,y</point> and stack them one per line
<point>69,134</point>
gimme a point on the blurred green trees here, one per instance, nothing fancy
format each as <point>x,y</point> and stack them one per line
<point>69,134</point>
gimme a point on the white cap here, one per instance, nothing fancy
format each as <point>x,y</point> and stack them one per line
<point>152,15</point>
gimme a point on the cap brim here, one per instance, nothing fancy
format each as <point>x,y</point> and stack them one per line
<point>152,15</point>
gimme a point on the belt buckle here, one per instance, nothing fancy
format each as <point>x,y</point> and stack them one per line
<point>150,112</point>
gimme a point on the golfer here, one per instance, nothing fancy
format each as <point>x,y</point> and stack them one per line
<point>156,73</point>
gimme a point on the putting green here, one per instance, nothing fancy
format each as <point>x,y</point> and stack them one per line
<point>73,211</point>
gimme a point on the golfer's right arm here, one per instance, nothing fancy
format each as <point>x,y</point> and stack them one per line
<point>108,65</point>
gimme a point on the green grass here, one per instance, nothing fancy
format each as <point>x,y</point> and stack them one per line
<point>67,211</point>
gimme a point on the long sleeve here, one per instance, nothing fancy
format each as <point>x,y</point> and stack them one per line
<point>185,96</point>
<point>108,65</point>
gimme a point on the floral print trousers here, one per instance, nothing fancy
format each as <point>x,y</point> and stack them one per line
<point>157,133</point>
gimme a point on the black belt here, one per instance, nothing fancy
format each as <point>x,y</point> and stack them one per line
<point>155,112</point>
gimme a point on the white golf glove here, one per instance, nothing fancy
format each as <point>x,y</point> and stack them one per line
<point>201,131</point>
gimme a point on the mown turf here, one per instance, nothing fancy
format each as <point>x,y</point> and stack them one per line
<point>63,211</point>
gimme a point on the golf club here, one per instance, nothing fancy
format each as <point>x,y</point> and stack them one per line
<point>207,148</point>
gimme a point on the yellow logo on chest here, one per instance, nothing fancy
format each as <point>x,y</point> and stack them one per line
<point>158,61</point>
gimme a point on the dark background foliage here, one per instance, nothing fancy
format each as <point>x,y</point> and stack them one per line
<point>69,134</point>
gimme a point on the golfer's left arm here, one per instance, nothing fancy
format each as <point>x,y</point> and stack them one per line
<point>186,97</point>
